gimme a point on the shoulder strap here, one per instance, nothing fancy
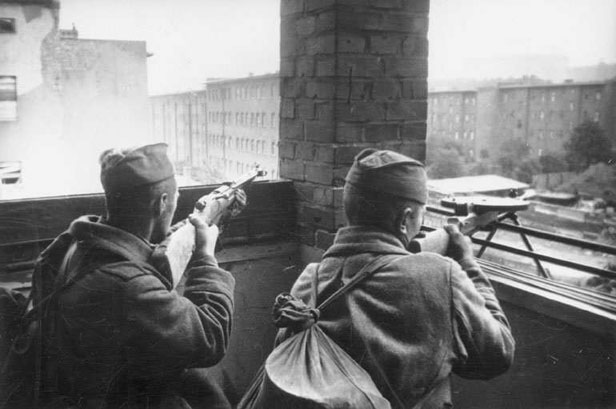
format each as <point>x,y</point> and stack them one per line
<point>38,303</point>
<point>366,271</point>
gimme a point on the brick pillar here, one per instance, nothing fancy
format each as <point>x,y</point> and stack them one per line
<point>353,75</point>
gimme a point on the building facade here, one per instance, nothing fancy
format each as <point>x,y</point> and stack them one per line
<point>452,115</point>
<point>545,115</point>
<point>63,100</point>
<point>541,115</point>
<point>223,131</point>
<point>180,120</point>
<point>243,119</point>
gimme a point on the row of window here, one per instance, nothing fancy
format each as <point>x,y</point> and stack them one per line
<point>434,100</point>
<point>553,95</point>
<point>243,92</point>
<point>466,135</point>
<point>434,117</point>
<point>541,115</point>
<point>251,145</point>
<point>257,119</point>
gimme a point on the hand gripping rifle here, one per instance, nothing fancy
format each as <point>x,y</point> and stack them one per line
<point>213,208</point>
<point>478,211</point>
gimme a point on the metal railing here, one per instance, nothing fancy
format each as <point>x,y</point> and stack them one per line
<point>542,278</point>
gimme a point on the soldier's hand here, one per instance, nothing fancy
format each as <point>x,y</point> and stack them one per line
<point>205,237</point>
<point>241,200</point>
<point>459,245</point>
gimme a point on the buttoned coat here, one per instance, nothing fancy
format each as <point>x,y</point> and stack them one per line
<point>412,323</point>
<point>123,337</point>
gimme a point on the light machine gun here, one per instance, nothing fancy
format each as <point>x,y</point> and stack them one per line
<point>479,212</point>
<point>178,247</point>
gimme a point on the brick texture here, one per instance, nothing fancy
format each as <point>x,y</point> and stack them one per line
<point>353,75</point>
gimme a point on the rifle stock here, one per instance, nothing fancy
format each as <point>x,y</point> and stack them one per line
<point>437,241</point>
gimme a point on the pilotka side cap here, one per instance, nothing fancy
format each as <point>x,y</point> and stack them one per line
<point>389,172</point>
<point>142,166</point>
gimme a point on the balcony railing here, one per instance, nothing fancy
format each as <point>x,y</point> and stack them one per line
<point>542,278</point>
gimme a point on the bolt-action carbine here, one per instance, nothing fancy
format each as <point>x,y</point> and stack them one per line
<point>214,208</point>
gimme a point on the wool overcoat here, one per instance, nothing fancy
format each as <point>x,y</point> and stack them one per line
<point>123,337</point>
<point>412,323</point>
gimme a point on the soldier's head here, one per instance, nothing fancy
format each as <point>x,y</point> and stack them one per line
<point>388,190</point>
<point>140,188</point>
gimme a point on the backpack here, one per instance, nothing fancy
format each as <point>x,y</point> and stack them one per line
<point>309,370</point>
<point>26,367</point>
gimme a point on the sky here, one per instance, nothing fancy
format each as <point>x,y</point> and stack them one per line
<point>192,40</point>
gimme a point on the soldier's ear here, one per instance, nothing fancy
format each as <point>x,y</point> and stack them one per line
<point>405,216</point>
<point>161,204</point>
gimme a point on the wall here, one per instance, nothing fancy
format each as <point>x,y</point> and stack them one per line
<point>243,124</point>
<point>564,353</point>
<point>452,116</point>
<point>180,120</point>
<point>73,95</point>
<point>22,57</point>
<point>353,75</point>
<point>102,88</point>
<point>542,116</point>
<point>486,123</point>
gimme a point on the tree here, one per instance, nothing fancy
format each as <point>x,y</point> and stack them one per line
<point>444,159</point>
<point>587,145</point>
<point>526,169</point>
<point>599,180</point>
<point>514,161</point>
<point>512,152</point>
<point>553,162</point>
<point>448,164</point>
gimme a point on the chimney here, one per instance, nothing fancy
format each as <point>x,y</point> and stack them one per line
<point>71,34</point>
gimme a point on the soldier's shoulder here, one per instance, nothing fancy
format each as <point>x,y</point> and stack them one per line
<point>126,270</point>
<point>423,261</point>
<point>426,257</point>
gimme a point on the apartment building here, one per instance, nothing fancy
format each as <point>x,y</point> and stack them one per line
<point>543,115</point>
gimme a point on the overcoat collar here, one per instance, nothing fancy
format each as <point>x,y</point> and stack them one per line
<point>93,230</point>
<point>364,239</point>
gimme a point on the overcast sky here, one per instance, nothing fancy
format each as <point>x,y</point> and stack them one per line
<point>195,39</point>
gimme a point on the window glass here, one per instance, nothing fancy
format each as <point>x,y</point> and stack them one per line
<point>8,98</point>
<point>7,25</point>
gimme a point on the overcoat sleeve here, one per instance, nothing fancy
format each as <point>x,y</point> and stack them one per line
<point>169,331</point>
<point>485,345</point>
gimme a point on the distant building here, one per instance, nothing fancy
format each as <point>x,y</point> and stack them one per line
<point>539,114</point>
<point>544,115</point>
<point>63,100</point>
<point>233,125</point>
<point>243,121</point>
<point>452,115</point>
<point>180,120</point>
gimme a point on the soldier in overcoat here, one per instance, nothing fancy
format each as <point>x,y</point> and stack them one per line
<point>421,317</point>
<point>122,336</point>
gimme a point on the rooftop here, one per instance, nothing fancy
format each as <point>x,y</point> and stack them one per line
<point>474,184</point>
<point>47,3</point>
<point>221,81</point>
<point>556,85</point>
